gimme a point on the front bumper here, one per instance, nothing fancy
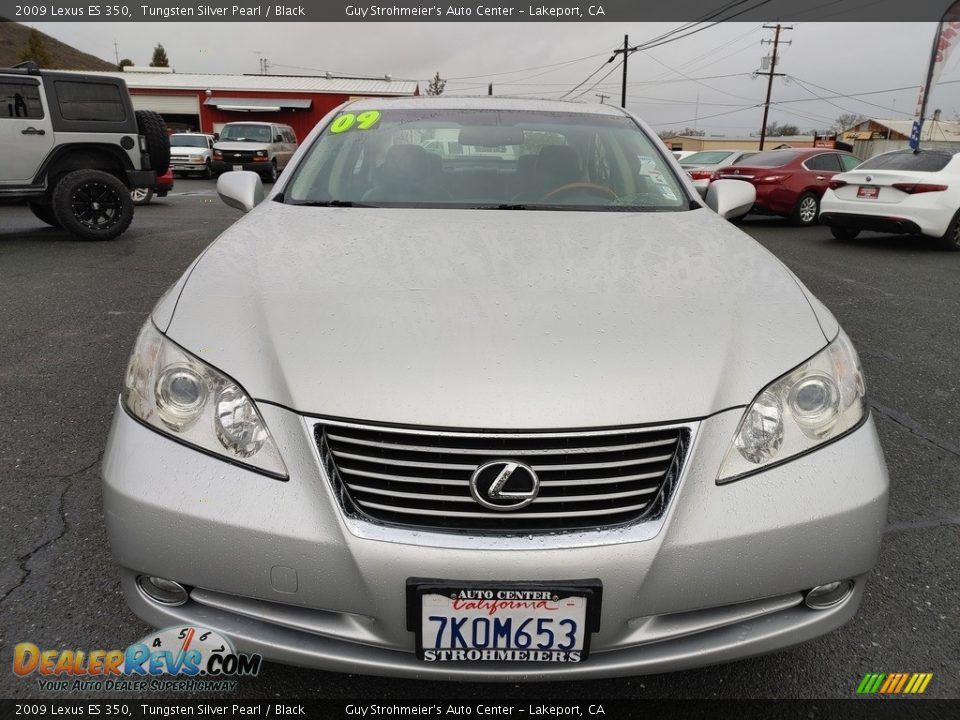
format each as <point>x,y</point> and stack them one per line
<point>220,166</point>
<point>278,568</point>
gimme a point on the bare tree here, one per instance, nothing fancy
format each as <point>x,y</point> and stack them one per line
<point>845,121</point>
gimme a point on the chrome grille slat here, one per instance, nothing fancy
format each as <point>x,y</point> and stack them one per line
<point>459,466</point>
<point>517,515</point>
<point>421,478</point>
<point>486,451</point>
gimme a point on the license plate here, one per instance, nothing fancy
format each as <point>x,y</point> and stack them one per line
<point>869,192</point>
<point>503,621</point>
<point>238,167</point>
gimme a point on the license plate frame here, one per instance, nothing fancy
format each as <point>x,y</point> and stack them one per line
<point>868,192</point>
<point>590,589</point>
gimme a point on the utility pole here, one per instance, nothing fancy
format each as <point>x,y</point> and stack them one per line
<point>490,89</point>
<point>625,51</point>
<point>602,97</point>
<point>116,52</point>
<point>770,74</point>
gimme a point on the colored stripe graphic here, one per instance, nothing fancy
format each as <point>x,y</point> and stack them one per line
<point>894,683</point>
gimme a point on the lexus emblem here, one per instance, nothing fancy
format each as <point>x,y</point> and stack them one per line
<point>504,485</point>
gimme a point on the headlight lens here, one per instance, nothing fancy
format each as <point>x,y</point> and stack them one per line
<point>181,396</point>
<point>196,158</point>
<point>261,153</point>
<point>812,404</point>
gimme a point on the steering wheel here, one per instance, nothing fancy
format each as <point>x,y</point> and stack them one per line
<point>581,186</point>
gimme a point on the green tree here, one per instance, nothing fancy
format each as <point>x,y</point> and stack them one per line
<point>35,50</point>
<point>126,62</point>
<point>159,57</point>
<point>436,85</point>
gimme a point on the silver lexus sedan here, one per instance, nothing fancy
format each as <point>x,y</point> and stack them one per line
<point>483,390</point>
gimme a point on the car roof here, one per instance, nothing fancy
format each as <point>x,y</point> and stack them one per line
<point>485,102</point>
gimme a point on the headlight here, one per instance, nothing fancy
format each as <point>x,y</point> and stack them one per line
<point>196,158</point>
<point>811,405</point>
<point>181,396</point>
<point>261,153</point>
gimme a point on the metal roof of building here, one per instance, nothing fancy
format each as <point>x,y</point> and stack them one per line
<point>260,83</point>
<point>933,130</point>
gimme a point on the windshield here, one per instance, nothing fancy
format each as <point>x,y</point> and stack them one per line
<point>922,161</point>
<point>497,159</point>
<point>188,141</point>
<point>706,158</point>
<point>239,132</point>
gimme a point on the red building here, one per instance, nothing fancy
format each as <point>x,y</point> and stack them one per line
<point>205,103</point>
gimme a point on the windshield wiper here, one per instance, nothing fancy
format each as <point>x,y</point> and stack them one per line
<point>501,206</point>
<point>330,203</point>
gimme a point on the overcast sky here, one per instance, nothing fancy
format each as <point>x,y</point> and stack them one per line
<point>841,57</point>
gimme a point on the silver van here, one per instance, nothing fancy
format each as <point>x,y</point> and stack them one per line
<point>264,148</point>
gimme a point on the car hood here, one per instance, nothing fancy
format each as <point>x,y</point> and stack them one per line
<point>493,319</point>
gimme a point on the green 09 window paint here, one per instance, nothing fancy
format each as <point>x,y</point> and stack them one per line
<point>363,121</point>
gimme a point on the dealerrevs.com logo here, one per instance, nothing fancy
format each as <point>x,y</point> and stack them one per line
<point>179,659</point>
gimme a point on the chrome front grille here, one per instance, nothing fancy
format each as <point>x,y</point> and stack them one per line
<point>421,478</point>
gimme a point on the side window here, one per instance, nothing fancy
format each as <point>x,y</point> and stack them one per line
<point>20,100</point>
<point>289,136</point>
<point>849,162</point>
<point>827,162</point>
<point>90,101</point>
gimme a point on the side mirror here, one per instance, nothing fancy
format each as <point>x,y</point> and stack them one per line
<point>278,138</point>
<point>240,189</point>
<point>731,198</point>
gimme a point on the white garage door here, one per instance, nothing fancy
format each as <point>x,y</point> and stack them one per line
<point>168,104</point>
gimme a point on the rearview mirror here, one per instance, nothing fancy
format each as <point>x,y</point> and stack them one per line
<point>731,198</point>
<point>240,189</point>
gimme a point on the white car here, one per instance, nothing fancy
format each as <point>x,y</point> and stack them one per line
<point>701,165</point>
<point>903,191</point>
<point>191,153</point>
<point>681,154</point>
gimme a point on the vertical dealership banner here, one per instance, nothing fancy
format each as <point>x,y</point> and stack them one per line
<point>944,42</point>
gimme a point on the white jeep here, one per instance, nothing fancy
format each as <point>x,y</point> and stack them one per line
<point>74,148</point>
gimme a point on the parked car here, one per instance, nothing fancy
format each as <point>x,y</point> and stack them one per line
<point>161,186</point>
<point>264,148</point>
<point>681,154</point>
<point>898,192</point>
<point>192,153</point>
<point>440,421</point>
<point>74,148</point>
<point>701,165</point>
<point>790,182</point>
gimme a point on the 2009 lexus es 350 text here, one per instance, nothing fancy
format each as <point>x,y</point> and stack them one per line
<point>484,390</point>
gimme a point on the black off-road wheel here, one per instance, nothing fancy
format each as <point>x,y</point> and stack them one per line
<point>950,240</point>
<point>154,128</point>
<point>844,233</point>
<point>92,204</point>
<point>44,212</point>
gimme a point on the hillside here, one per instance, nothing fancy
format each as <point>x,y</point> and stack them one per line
<point>13,40</point>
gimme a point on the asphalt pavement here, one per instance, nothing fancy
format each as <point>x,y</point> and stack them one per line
<point>70,310</point>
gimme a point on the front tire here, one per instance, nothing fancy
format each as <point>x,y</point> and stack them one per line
<point>844,234</point>
<point>141,196</point>
<point>207,172</point>
<point>44,212</point>
<point>271,175</point>
<point>950,240</point>
<point>92,204</point>
<point>806,210</point>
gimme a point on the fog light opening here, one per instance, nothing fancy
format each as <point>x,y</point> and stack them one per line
<point>829,595</point>
<point>161,590</point>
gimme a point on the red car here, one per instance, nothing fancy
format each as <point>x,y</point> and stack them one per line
<point>164,184</point>
<point>790,182</point>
